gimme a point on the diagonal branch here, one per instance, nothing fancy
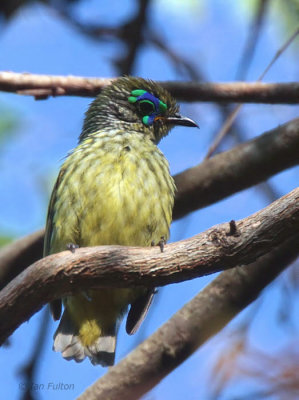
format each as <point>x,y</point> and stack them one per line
<point>43,86</point>
<point>200,319</point>
<point>243,166</point>
<point>233,115</point>
<point>220,247</point>
<point>184,67</point>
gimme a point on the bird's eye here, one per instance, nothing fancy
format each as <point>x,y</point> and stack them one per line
<point>149,106</point>
<point>146,107</point>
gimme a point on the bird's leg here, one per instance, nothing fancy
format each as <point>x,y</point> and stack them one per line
<point>161,243</point>
<point>72,247</point>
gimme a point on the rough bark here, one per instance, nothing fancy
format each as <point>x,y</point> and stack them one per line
<point>220,247</point>
<point>204,316</point>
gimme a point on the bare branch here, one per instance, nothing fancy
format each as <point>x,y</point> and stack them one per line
<point>216,249</point>
<point>132,34</point>
<point>233,115</point>
<point>238,92</point>
<point>43,86</point>
<point>279,52</point>
<point>223,131</point>
<point>189,328</point>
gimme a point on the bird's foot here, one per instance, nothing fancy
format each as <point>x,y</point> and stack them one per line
<point>72,247</point>
<point>161,243</point>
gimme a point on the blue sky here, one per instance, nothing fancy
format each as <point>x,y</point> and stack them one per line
<point>211,36</point>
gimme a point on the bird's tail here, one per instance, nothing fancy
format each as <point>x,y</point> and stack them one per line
<point>67,340</point>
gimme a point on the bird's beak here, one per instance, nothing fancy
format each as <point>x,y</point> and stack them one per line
<point>177,119</point>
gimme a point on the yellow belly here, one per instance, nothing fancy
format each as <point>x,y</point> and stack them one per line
<point>113,196</point>
<point>109,192</point>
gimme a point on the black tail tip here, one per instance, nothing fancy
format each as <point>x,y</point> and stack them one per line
<point>103,358</point>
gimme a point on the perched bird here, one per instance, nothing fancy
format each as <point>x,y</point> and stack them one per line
<point>113,188</point>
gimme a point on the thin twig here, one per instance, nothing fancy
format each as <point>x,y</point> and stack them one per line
<point>279,53</point>
<point>231,118</point>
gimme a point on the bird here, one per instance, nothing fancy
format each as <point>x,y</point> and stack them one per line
<point>114,188</point>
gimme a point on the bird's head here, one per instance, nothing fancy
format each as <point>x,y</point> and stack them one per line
<point>134,104</point>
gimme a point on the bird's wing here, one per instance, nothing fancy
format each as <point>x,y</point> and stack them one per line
<point>51,210</point>
<point>138,311</point>
<point>55,306</point>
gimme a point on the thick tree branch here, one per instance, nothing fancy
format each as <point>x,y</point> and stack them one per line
<point>214,179</point>
<point>220,247</point>
<point>190,327</point>
<point>43,86</point>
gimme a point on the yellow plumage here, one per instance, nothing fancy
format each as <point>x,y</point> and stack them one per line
<point>113,188</point>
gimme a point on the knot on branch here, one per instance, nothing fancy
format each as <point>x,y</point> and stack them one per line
<point>226,239</point>
<point>233,230</point>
